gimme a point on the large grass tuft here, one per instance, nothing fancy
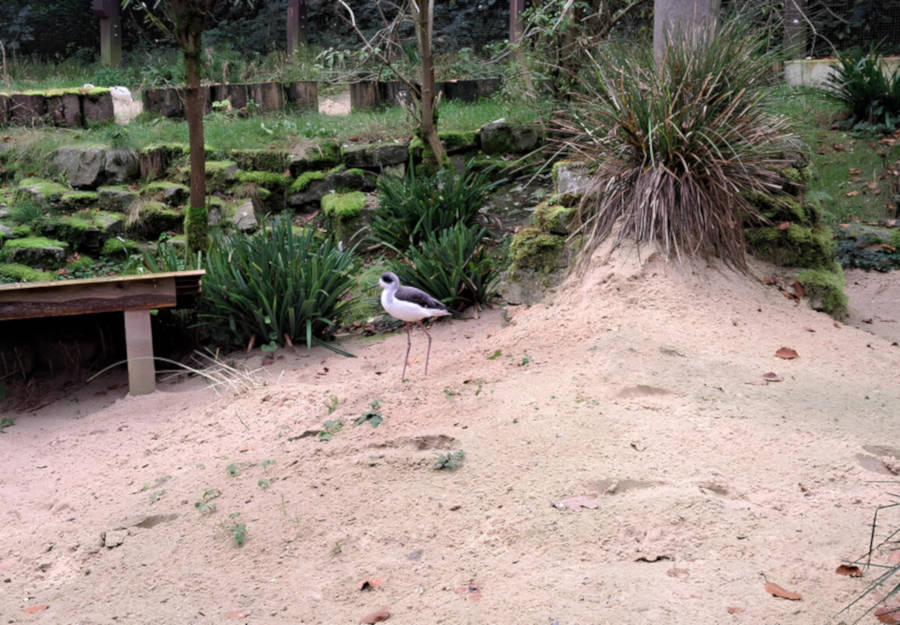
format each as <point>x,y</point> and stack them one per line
<point>678,146</point>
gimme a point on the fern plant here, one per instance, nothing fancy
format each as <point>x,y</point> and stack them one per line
<point>453,265</point>
<point>860,84</point>
<point>276,286</point>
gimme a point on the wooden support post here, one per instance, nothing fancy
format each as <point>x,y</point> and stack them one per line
<point>296,25</point>
<point>794,41</point>
<point>139,350</point>
<point>111,41</point>
<point>679,19</point>
<point>516,7</point>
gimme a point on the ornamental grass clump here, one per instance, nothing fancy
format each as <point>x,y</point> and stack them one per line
<point>276,286</point>
<point>679,146</point>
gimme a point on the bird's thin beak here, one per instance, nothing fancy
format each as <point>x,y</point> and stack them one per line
<point>369,288</point>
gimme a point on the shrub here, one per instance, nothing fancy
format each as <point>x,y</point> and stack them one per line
<point>414,205</point>
<point>861,86</point>
<point>275,284</point>
<point>678,147</point>
<point>453,265</point>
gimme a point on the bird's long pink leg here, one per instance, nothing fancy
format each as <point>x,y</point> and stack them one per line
<point>428,353</point>
<point>408,345</point>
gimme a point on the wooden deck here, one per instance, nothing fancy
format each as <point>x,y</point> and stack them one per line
<point>135,296</point>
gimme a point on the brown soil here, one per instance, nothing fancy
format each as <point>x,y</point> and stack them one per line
<point>639,387</point>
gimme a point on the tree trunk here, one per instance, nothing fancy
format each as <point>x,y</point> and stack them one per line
<point>189,20</point>
<point>424,22</point>
<point>794,29</point>
<point>680,18</point>
<point>297,11</point>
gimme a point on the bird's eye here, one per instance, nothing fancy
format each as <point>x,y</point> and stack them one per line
<point>387,279</point>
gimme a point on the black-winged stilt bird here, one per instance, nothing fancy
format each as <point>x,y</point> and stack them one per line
<point>409,304</point>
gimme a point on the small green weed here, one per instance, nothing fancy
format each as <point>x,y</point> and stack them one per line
<point>206,505</point>
<point>450,461</point>
<point>6,422</point>
<point>495,355</point>
<point>237,530</point>
<point>268,463</point>
<point>336,550</point>
<point>371,416</point>
<point>263,483</point>
<point>157,495</point>
<point>525,360</point>
<point>332,404</point>
<point>449,393</point>
<point>329,429</point>
<point>233,470</point>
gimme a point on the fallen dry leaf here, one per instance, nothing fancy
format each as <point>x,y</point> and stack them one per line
<point>372,583</point>
<point>768,280</point>
<point>848,569</point>
<point>799,289</point>
<point>236,614</point>
<point>854,171</point>
<point>734,610</point>
<point>778,591</point>
<point>885,614</point>
<point>852,193</point>
<point>784,225</point>
<point>771,376</point>
<point>377,616</point>
<point>787,353</point>
<point>577,503</point>
<point>34,609</point>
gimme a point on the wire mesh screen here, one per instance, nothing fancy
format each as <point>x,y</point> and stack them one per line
<point>838,25</point>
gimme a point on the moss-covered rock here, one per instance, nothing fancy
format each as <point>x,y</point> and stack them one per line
<point>314,156</point>
<point>792,246</point>
<point>533,248</point>
<point>150,219</point>
<point>825,289</point>
<point>116,198</point>
<point>35,252</point>
<point>301,183</point>
<point>17,272</point>
<point>554,218</point>
<point>40,191</point>
<point>219,175</point>
<point>171,193</point>
<point>76,200</point>
<point>273,181</point>
<point>272,161</point>
<point>86,232</point>
<point>502,137</point>
<point>344,213</point>
<point>117,246</point>
<point>459,140</point>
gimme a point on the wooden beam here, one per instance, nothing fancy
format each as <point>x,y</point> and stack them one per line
<point>78,297</point>
<point>139,351</point>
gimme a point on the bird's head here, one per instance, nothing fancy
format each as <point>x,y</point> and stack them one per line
<point>388,280</point>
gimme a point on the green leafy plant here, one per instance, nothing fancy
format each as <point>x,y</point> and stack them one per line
<point>680,146</point>
<point>495,355</point>
<point>332,404</point>
<point>372,416</point>
<point>450,461</point>
<point>861,85</point>
<point>276,285</point>
<point>206,505</point>
<point>263,483</point>
<point>453,265</point>
<point>233,470</point>
<point>415,205</point>
<point>6,422</point>
<point>329,429</point>
<point>237,530</point>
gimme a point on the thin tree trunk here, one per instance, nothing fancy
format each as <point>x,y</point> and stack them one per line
<point>425,20</point>
<point>189,24</point>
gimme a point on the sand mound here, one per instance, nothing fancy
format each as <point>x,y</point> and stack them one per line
<point>626,460</point>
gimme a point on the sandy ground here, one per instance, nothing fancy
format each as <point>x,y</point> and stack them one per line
<point>638,387</point>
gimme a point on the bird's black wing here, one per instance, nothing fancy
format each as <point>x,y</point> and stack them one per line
<point>418,296</point>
